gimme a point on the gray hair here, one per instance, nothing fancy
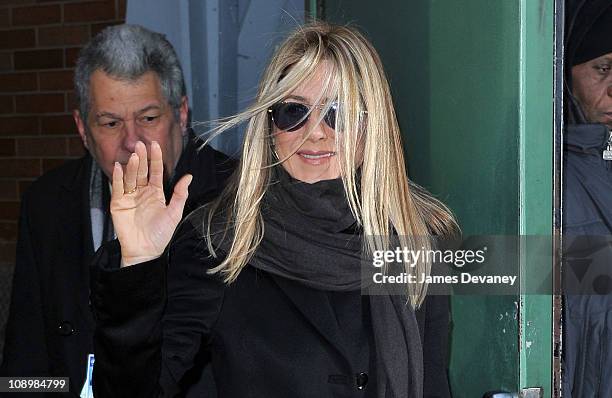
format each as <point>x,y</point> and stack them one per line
<point>127,52</point>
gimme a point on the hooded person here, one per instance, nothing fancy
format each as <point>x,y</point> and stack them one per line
<point>587,194</point>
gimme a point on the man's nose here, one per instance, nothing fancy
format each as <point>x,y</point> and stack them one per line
<point>130,135</point>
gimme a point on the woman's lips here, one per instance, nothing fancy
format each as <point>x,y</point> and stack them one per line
<point>315,157</point>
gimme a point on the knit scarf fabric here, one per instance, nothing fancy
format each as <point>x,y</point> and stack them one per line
<point>310,237</point>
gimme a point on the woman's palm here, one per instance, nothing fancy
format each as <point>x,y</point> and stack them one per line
<point>142,221</point>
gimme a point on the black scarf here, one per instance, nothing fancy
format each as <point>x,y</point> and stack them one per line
<point>310,237</point>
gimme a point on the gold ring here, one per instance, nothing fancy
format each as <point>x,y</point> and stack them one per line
<point>131,191</point>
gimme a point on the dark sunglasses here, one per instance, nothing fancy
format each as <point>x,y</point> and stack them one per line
<point>291,116</point>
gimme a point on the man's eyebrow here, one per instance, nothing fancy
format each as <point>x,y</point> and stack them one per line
<point>149,108</point>
<point>605,58</point>
<point>107,114</point>
<point>115,116</point>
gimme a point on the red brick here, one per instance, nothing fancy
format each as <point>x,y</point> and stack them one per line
<point>8,231</point>
<point>39,103</point>
<point>37,15</point>
<point>42,146</point>
<point>63,35</point>
<point>60,80</point>
<point>71,56</point>
<point>7,147</point>
<point>5,18</point>
<point>39,59</point>
<point>89,11</point>
<point>21,38</point>
<point>7,253</point>
<point>75,147</point>
<point>6,104</point>
<point>98,27</point>
<point>61,124</point>
<point>16,168</point>
<point>16,2</point>
<point>121,8</point>
<point>50,164</point>
<point>18,126</point>
<point>9,210</point>
<point>23,186</point>
<point>17,82</point>
<point>6,62</point>
<point>8,190</point>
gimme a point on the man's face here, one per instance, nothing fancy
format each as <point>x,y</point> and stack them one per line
<point>125,112</point>
<point>592,87</point>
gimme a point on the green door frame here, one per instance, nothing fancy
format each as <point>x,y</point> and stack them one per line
<point>536,157</point>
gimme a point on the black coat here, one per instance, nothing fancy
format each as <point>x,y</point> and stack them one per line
<point>587,223</point>
<point>266,336</point>
<point>50,326</point>
<point>587,230</point>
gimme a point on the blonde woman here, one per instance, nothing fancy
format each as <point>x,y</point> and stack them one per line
<point>267,280</point>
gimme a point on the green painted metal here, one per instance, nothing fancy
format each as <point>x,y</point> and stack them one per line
<point>311,8</point>
<point>472,84</point>
<point>536,188</point>
<point>474,130</point>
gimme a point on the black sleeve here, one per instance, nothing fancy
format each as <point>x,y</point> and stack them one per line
<point>151,318</point>
<point>435,347</point>
<point>25,350</point>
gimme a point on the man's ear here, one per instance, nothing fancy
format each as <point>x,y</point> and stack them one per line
<point>80,123</point>
<point>183,113</point>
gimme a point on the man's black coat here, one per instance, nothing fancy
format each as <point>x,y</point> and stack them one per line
<point>50,326</point>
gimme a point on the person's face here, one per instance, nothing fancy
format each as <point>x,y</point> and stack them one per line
<point>316,159</point>
<point>123,113</point>
<point>592,87</point>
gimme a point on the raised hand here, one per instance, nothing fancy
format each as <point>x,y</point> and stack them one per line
<point>142,221</point>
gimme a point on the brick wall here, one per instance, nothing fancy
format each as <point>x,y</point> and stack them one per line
<point>39,42</point>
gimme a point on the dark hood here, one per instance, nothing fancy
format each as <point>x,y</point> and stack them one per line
<point>580,15</point>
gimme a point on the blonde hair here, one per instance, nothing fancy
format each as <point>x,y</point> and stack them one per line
<point>385,202</point>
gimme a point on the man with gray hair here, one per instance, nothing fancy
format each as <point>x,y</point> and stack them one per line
<point>130,91</point>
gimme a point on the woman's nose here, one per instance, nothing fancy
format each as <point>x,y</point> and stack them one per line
<point>315,128</point>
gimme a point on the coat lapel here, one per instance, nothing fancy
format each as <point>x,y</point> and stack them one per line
<point>316,308</point>
<point>75,234</point>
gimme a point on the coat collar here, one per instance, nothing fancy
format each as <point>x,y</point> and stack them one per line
<point>587,138</point>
